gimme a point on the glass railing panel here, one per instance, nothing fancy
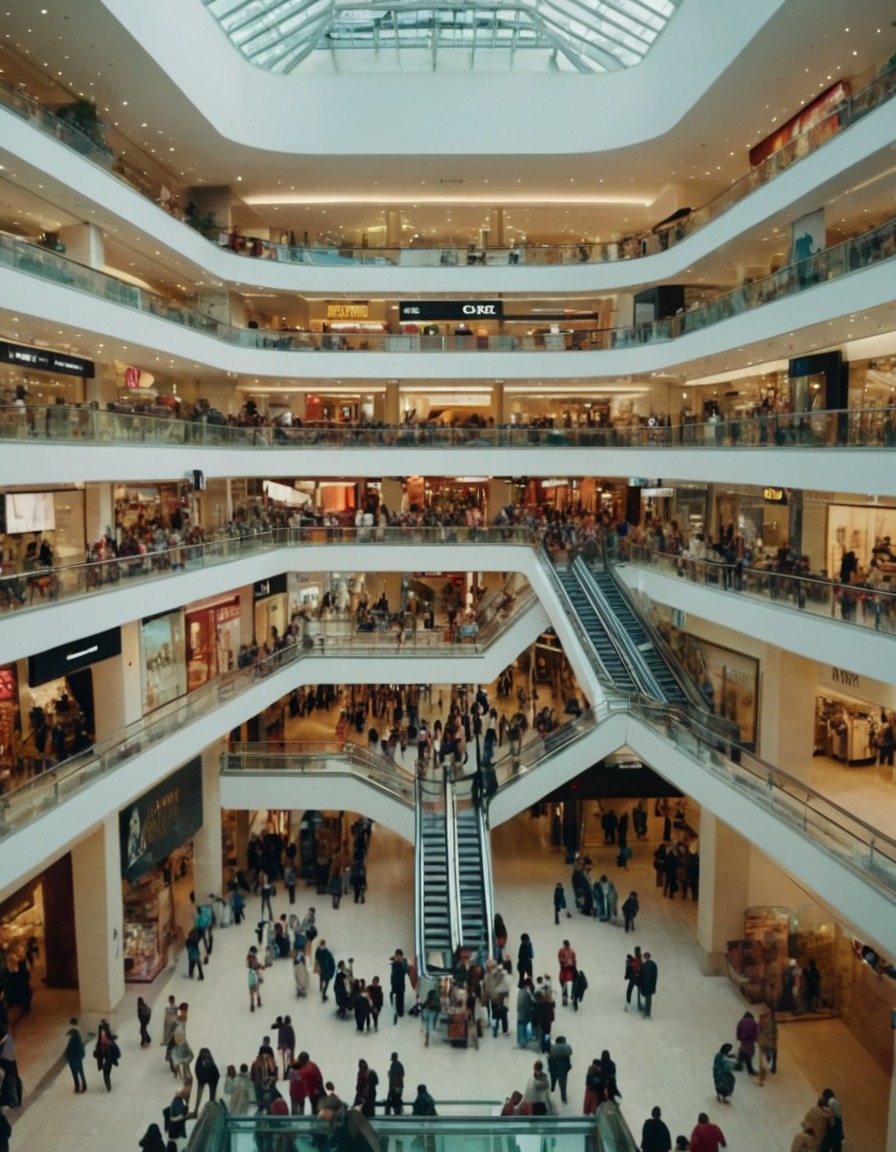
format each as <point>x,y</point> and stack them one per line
<point>871,248</point>
<point>318,756</point>
<point>854,428</point>
<point>858,605</point>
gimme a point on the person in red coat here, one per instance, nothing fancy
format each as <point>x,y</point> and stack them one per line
<point>566,958</point>
<point>707,1137</point>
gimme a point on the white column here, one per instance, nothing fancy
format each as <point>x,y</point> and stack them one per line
<point>99,512</point>
<point>393,228</point>
<point>393,402</point>
<point>496,408</point>
<point>724,890</point>
<point>208,848</point>
<point>786,724</point>
<point>96,881</point>
<point>85,244</point>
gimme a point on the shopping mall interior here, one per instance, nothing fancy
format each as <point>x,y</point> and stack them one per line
<point>428,509</point>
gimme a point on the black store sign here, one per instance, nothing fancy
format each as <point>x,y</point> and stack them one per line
<point>44,361</point>
<point>415,311</point>
<point>162,820</point>
<point>58,662</point>
<point>274,586</point>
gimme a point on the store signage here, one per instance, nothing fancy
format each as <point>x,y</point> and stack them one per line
<point>416,311</point>
<point>43,360</point>
<point>273,586</point>
<point>848,679</point>
<point>58,662</point>
<point>161,821</point>
<point>814,112</point>
<point>342,310</point>
<point>774,495</point>
<point>819,497</point>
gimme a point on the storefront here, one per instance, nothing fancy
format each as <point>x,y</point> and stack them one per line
<point>163,659</point>
<point>869,533</point>
<point>37,936</point>
<point>48,378</point>
<point>138,507</point>
<point>156,856</point>
<point>855,721</point>
<point>57,710</point>
<point>29,518</point>
<point>270,599</point>
<point>10,725</point>
<point>213,639</point>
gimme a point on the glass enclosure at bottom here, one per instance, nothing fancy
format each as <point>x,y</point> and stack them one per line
<point>607,1131</point>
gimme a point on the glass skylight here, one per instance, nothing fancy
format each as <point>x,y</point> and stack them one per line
<point>588,35</point>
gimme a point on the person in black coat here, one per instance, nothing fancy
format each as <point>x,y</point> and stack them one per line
<point>648,982</point>
<point>524,958</point>
<point>152,1140</point>
<point>207,1076</point>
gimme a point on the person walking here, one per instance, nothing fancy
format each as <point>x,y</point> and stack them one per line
<point>747,1034</point>
<point>325,963</point>
<point>655,1136</point>
<point>144,1014</point>
<point>194,954</point>
<point>767,1043</point>
<point>566,958</point>
<point>560,1065</point>
<point>74,1055</point>
<point>207,1076</point>
<point>394,1101</point>
<point>834,1137</point>
<point>559,902</point>
<point>723,1066</point>
<point>630,909</point>
<point>254,977</point>
<point>706,1137</point>
<point>106,1053</point>
<point>633,963</point>
<point>538,1091</point>
<point>648,982</point>
<point>397,976</point>
<point>238,1090</point>
<point>525,957</point>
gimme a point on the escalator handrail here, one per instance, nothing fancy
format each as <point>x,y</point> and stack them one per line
<point>644,678</point>
<point>585,642</point>
<point>485,862</point>
<point>455,917</point>
<point>422,805</point>
<point>725,728</point>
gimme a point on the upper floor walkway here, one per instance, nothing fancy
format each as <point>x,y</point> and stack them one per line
<point>843,148</point>
<point>848,451</point>
<point>806,295</point>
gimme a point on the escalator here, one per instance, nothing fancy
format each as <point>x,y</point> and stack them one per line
<point>454,880</point>
<point>474,879</point>
<point>606,649</point>
<point>605,588</point>
<point>435,888</point>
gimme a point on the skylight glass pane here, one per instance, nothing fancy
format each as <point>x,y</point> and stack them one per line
<point>595,35</point>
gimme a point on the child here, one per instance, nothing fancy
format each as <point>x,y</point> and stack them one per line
<point>630,910</point>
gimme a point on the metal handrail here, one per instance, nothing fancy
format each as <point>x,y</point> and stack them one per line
<point>873,247</point>
<point>637,246</point>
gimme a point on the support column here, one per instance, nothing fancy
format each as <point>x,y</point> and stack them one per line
<point>99,512</point>
<point>85,244</point>
<point>496,227</point>
<point>393,228</point>
<point>496,408</point>
<point>208,844</point>
<point>498,494</point>
<point>724,890</point>
<point>96,882</point>
<point>786,721</point>
<point>393,403</point>
<point>391,494</point>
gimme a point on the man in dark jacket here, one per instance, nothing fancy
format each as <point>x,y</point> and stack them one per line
<point>326,967</point>
<point>648,981</point>
<point>655,1136</point>
<point>559,1064</point>
<point>397,976</point>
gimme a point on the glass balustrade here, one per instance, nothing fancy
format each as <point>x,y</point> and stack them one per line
<point>54,783</point>
<point>872,247</point>
<point>659,239</point>
<point>69,424</point>
<point>43,587</point>
<point>859,605</point>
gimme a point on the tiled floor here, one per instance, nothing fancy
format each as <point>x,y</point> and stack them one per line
<point>666,1060</point>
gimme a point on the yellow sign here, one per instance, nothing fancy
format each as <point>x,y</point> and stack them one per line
<point>773,495</point>
<point>340,310</point>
